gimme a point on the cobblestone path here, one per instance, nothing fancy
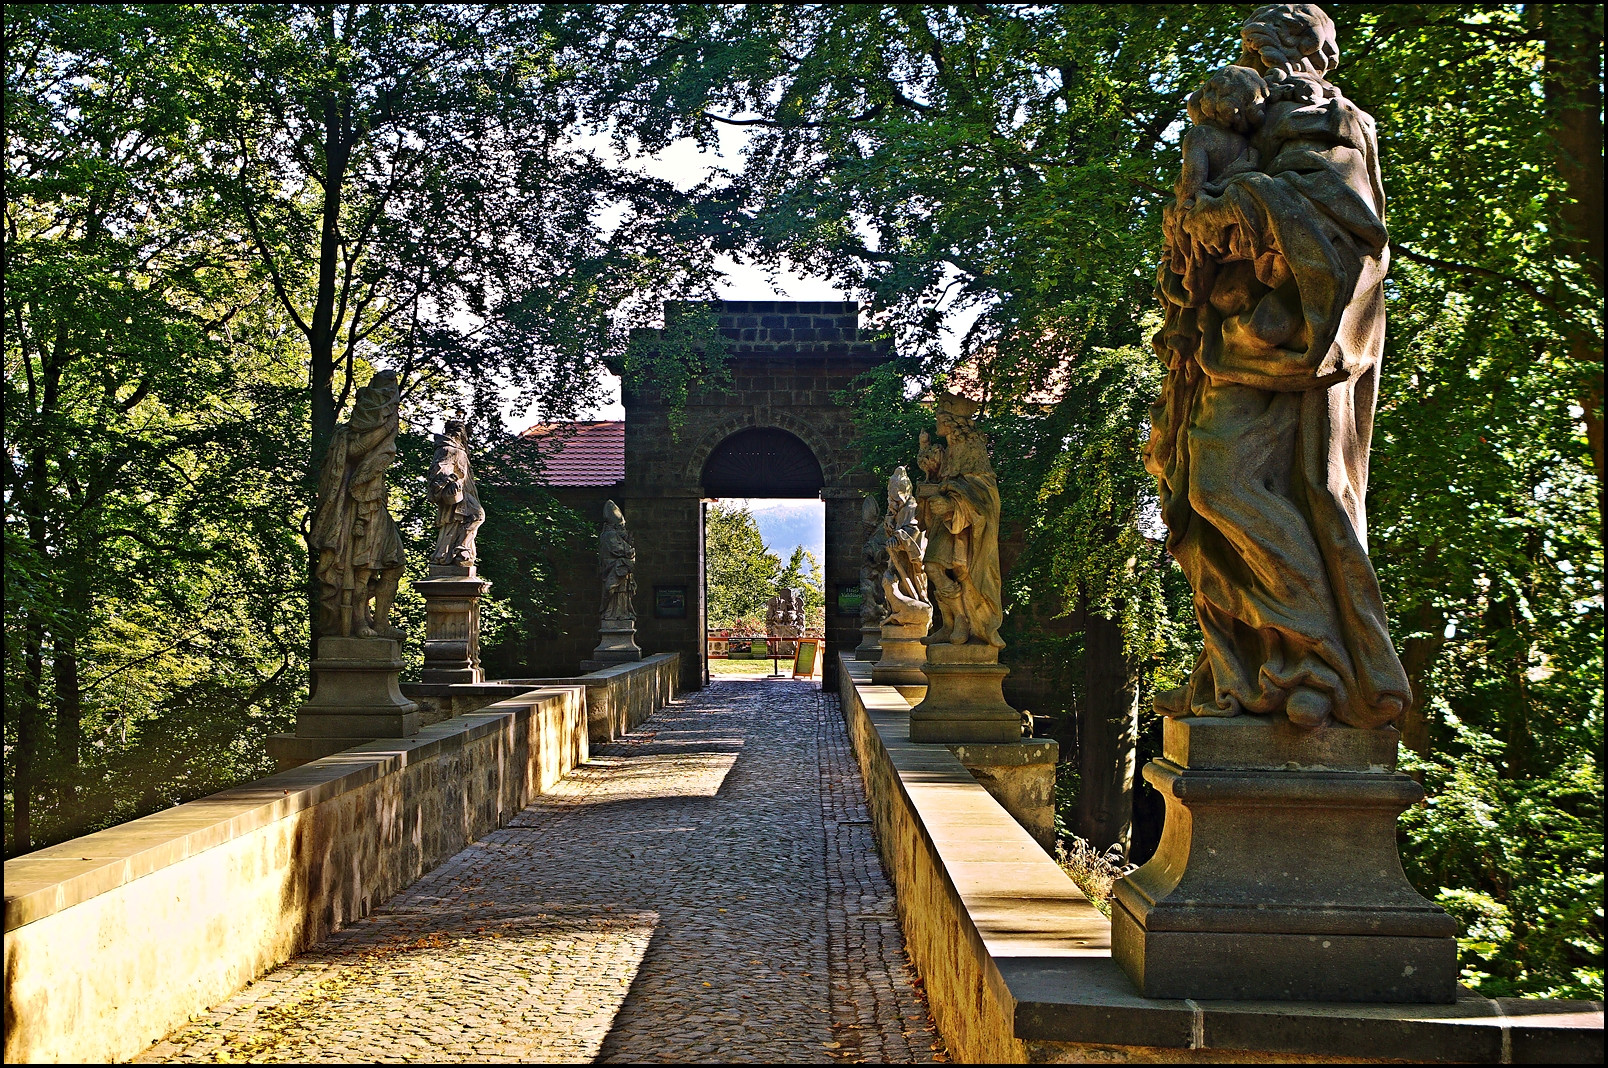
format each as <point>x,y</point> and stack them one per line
<point>704,889</point>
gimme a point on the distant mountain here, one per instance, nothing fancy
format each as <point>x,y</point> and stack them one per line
<point>785,525</point>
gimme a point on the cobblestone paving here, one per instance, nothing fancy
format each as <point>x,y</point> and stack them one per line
<point>704,889</point>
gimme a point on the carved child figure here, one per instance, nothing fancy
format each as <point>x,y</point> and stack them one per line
<point>1227,110</point>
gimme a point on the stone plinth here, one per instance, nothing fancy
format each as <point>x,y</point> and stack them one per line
<point>452,624</point>
<point>965,701</point>
<point>1277,876</point>
<point>1020,775</point>
<point>616,645</point>
<point>870,647</point>
<point>356,699</point>
<point>903,655</point>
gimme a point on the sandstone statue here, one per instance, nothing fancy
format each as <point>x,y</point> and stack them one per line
<point>1272,285</point>
<point>359,552</point>
<point>451,485</point>
<point>959,511</point>
<point>904,582</point>
<point>781,620</point>
<point>873,560</point>
<point>617,564</point>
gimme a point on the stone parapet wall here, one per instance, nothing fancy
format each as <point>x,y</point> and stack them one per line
<point>618,697</point>
<point>113,939</point>
<point>1017,963</point>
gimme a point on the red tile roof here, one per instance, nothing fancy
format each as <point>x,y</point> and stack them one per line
<point>581,454</point>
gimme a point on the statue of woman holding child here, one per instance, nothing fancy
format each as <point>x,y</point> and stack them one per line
<point>1272,284</point>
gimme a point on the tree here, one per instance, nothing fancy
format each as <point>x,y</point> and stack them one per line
<point>803,572</point>
<point>143,501</point>
<point>740,573</point>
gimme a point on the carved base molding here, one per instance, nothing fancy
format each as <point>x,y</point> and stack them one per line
<point>965,700</point>
<point>1278,876</point>
<point>452,623</point>
<point>903,655</point>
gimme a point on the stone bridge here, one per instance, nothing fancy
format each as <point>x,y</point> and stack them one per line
<point>757,871</point>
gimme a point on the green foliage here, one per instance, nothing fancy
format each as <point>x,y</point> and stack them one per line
<point>1519,862</point>
<point>803,572</point>
<point>740,574</point>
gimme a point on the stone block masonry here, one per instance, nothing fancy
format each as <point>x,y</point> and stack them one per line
<point>1018,965</point>
<point>113,939</point>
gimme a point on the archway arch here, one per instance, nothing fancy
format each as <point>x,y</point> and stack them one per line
<point>762,462</point>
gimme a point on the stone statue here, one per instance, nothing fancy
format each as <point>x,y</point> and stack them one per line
<point>780,614</point>
<point>801,616</point>
<point>616,563</point>
<point>873,559</point>
<point>359,552</point>
<point>451,485</point>
<point>959,511</point>
<point>1272,285</point>
<point>904,582</point>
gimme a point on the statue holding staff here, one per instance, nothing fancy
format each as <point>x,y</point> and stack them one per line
<point>359,552</point>
<point>451,486</point>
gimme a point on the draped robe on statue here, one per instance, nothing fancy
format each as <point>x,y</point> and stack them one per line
<point>1273,334</point>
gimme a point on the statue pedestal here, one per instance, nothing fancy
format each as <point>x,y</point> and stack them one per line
<point>965,701</point>
<point>452,624</point>
<point>616,645</point>
<point>356,699</point>
<point>1277,877</point>
<point>903,655</point>
<point>870,647</point>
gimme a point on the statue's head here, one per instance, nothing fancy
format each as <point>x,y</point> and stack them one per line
<point>383,379</point>
<point>612,515</point>
<point>868,510</point>
<point>1281,39</point>
<point>456,428</point>
<point>1232,98</point>
<point>955,413</point>
<point>899,486</point>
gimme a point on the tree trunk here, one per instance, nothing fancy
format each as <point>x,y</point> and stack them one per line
<point>69,719</point>
<point>26,760</point>
<point>1108,731</point>
<point>1418,655</point>
<point>1572,60</point>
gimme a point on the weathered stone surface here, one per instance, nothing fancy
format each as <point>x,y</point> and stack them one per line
<point>452,623</point>
<point>359,552</point>
<point>904,655</point>
<point>451,484</point>
<point>965,700</point>
<point>1273,287</point>
<point>874,557</point>
<point>356,698</point>
<point>115,938</point>
<point>1238,903</point>
<point>959,512</point>
<point>1019,775</point>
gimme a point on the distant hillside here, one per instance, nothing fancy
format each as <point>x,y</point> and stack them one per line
<point>786,524</point>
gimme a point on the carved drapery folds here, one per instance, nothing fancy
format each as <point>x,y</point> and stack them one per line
<point>1272,285</point>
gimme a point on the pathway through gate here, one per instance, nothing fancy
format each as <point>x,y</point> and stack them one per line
<point>706,888</point>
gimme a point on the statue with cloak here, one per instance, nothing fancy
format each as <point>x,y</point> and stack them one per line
<point>359,551</point>
<point>959,510</point>
<point>904,582</point>
<point>451,484</point>
<point>1273,289</point>
<point>617,566</point>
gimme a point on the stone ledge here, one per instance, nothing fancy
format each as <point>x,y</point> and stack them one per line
<point>1018,964</point>
<point>58,877</point>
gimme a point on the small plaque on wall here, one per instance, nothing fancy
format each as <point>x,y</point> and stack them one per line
<point>849,600</point>
<point>670,602</point>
